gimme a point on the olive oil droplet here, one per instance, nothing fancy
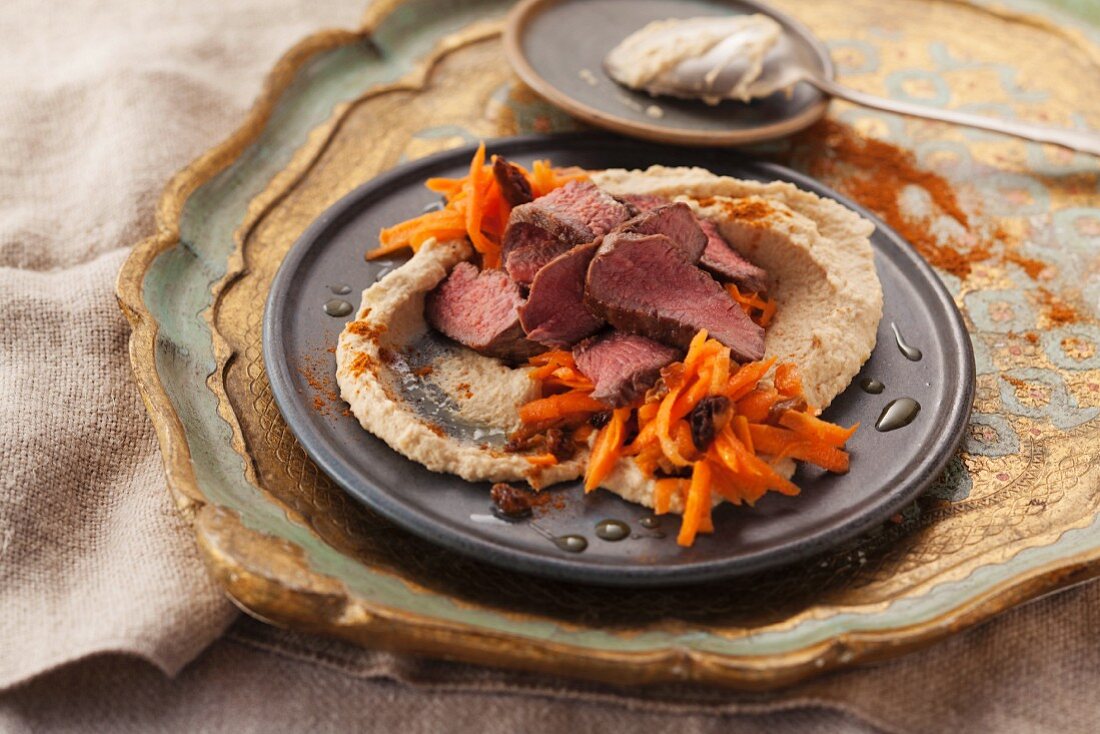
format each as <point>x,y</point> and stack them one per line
<point>612,530</point>
<point>340,289</point>
<point>571,543</point>
<point>897,414</point>
<point>337,307</point>
<point>911,353</point>
<point>649,522</point>
<point>871,385</point>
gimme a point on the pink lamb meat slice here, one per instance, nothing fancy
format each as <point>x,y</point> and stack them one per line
<point>622,366</point>
<point>555,314</point>
<point>539,231</point>
<point>677,222</point>
<point>643,284</point>
<point>718,257</point>
<point>727,265</point>
<point>481,311</point>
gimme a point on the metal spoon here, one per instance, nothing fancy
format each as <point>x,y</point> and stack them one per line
<point>782,70</point>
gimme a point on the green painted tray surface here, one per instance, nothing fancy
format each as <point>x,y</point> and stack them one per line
<point>177,289</point>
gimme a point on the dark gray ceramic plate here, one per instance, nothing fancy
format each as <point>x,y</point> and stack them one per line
<point>888,469</point>
<point>557,47</point>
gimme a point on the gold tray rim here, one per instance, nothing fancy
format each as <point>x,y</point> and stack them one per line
<point>325,606</point>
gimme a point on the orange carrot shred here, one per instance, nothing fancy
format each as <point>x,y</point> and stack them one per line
<point>446,186</point>
<point>815,429</point>
<point>646,413</point>
<point>757,405</point>
<point>741,430</point>
<point>556,407</point>
<point>647,456</point>
<point>476,186</point>
<point>728,444</point>
<point>542,459</point>
<point>663,428</point>
<point>606,449</point>
<point>662,494</point>
<point>828,458</point>
<point>685,445</point>
<point>768,313</point>
<point>697,505</point>
<point>787,380</point>
<point>784,443</point>
<point>558,357</point>
<point>758,308</point>
<point>744,380</point>
<point>726,483</point>
<point>720,371</point>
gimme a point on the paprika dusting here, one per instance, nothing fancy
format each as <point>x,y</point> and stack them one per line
<point>1058,311</point>
<point>875,173</point>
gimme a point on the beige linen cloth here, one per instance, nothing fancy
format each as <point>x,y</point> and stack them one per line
<point>107,618</point>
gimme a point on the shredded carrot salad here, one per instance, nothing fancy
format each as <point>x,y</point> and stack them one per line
<point>475,208</point>
<point>710,427</point>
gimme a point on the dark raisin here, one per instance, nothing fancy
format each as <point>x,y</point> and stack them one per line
<point>514,186</point>
<point>510,502</point>
<point>703,418</point>
<point>560,444</point>
<point>520,443</point>
<point>599,420</point>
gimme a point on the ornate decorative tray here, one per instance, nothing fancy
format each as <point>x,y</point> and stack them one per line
<point>1013,228</point>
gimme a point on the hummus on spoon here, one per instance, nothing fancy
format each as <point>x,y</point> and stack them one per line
<point>709,58</point>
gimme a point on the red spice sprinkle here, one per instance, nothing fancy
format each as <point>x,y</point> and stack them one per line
<point>1057,310</point>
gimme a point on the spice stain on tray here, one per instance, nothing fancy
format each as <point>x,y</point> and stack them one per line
<point>882,177</point>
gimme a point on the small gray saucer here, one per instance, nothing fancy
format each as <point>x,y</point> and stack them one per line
<point>557,47</point>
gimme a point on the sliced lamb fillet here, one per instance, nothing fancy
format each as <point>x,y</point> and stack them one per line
<point>727,265</point>
<point>719,258</point>
<point>528,248</point>
<point>539,231</point>
<point>555,314</point>
<point>622,366</point>
<point>677,222</point>
<point>480,310</point>
<point>643,284</point>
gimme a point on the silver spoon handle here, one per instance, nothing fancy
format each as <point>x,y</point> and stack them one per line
<point>1085,142</point>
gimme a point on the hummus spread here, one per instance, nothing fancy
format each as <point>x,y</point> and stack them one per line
<point>474,398</point>
<point>452,412</point>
